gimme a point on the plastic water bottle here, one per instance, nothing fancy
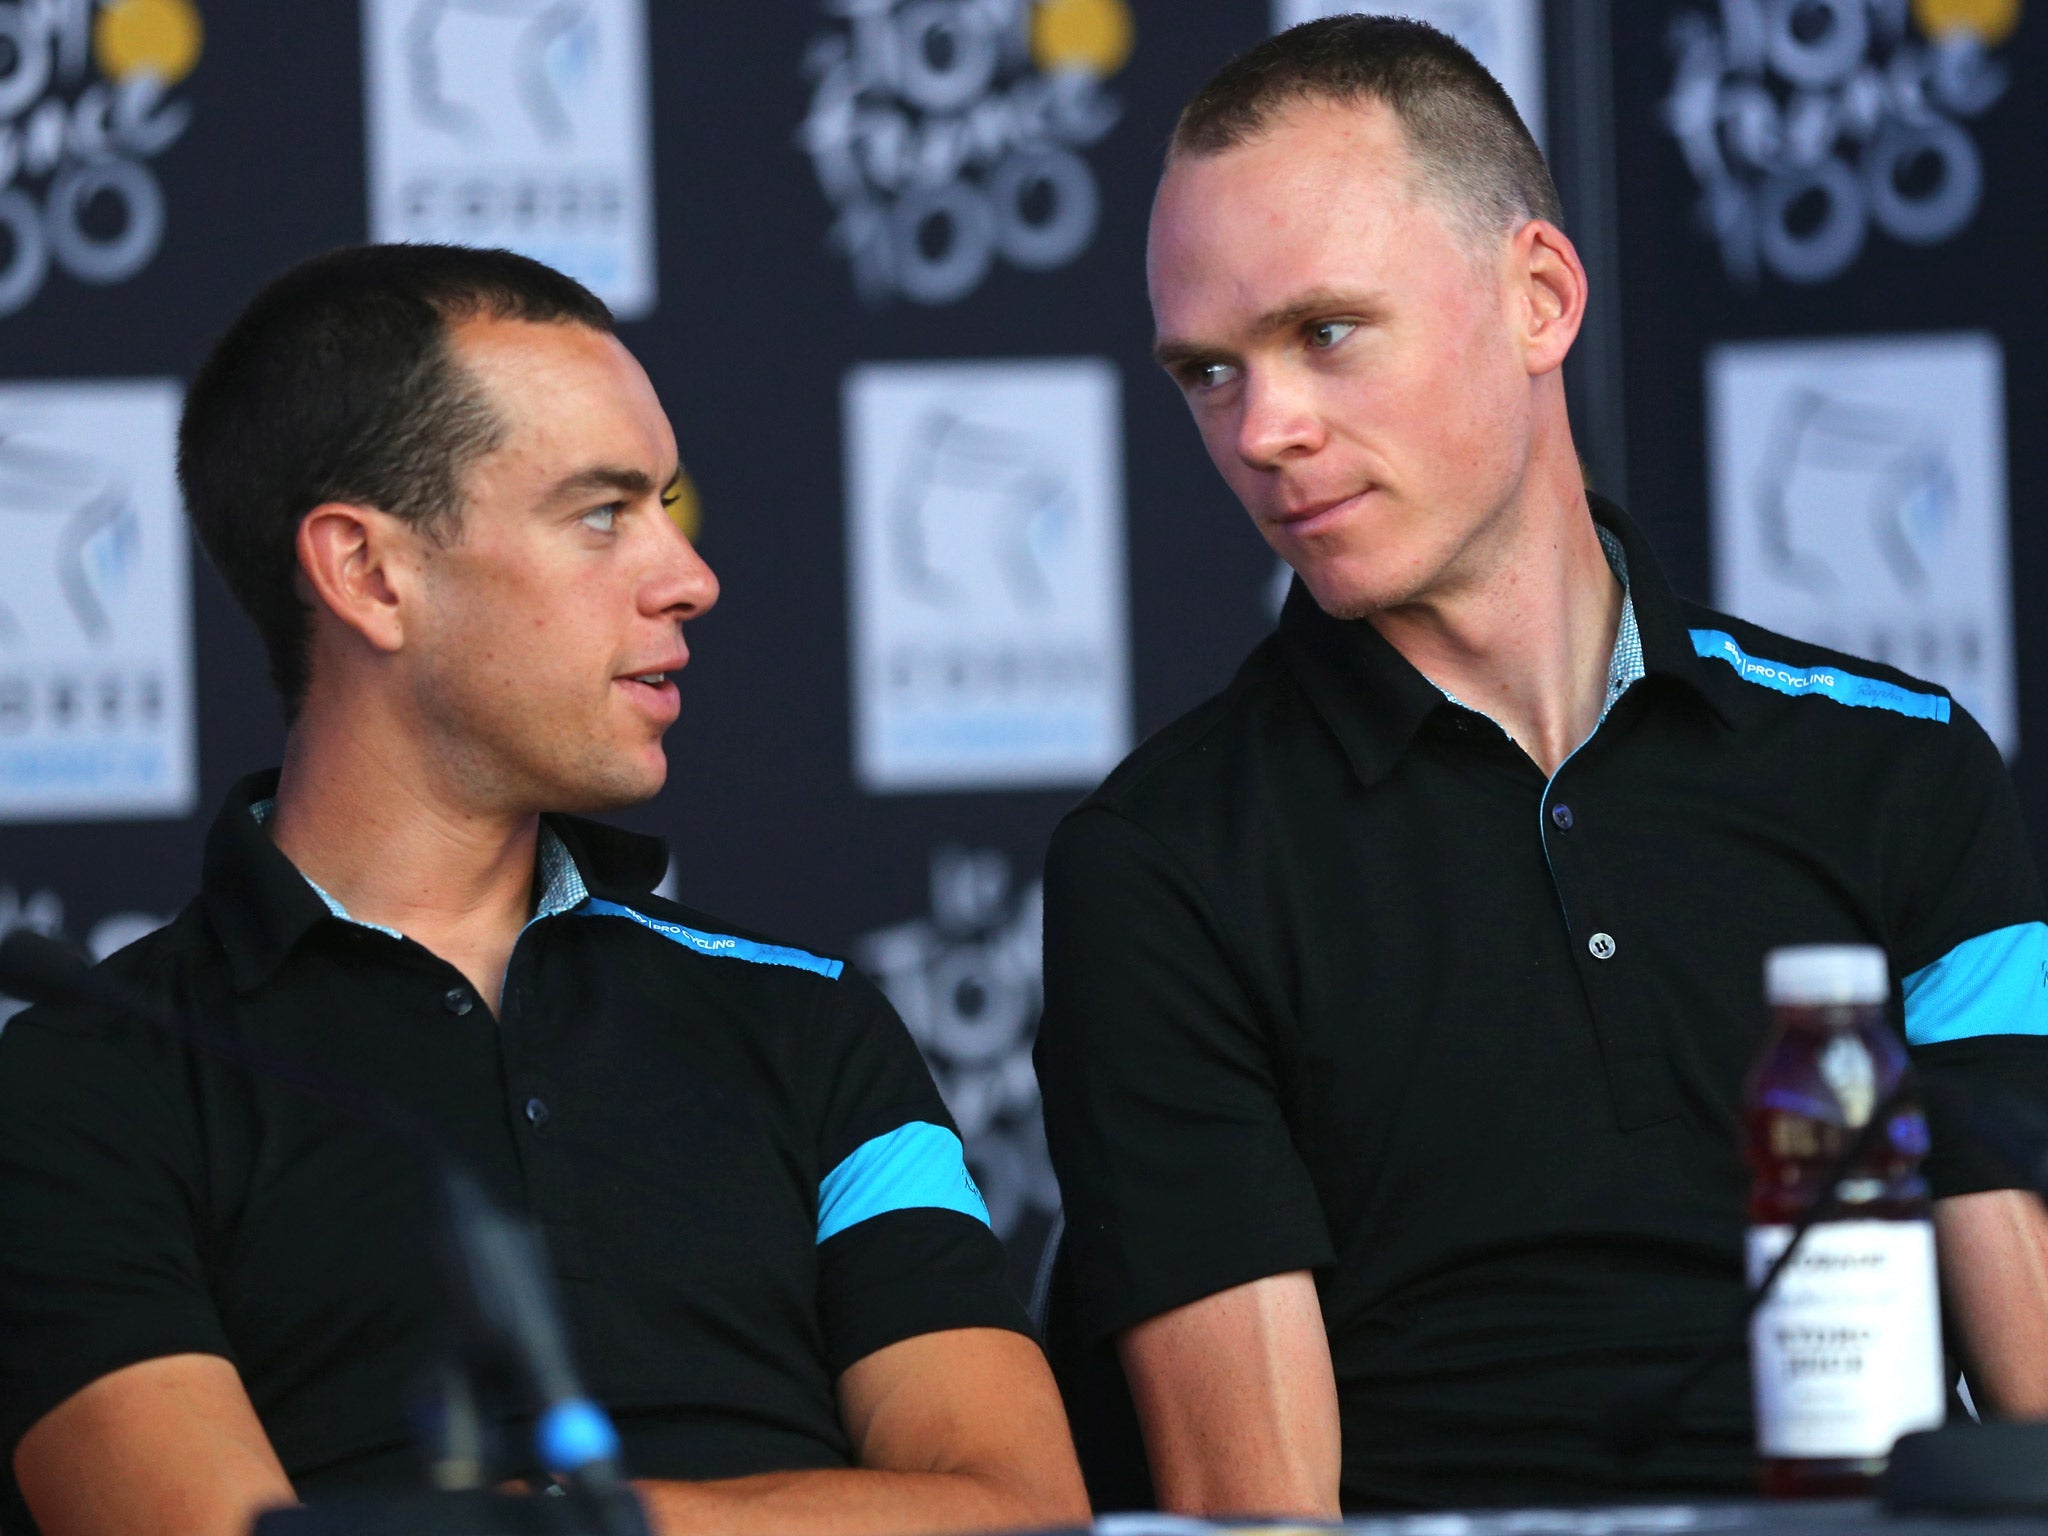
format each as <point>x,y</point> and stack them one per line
<point>1846,1350</point>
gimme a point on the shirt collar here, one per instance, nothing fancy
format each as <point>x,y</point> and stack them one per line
<point>261,906</point>
<point>561,885</point>
<point>1374,700</point>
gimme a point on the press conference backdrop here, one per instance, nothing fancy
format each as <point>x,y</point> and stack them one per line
<point>883,260</point>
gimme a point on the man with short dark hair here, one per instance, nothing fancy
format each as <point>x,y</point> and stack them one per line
<point>1399,998</point>
<point>442,488</point>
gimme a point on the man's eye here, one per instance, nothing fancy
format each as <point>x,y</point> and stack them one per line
<point>1325,334</point>
<point>603,519</point>
<point>1206,376</point>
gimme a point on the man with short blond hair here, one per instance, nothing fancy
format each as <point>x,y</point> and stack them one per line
<point>1398,999</point>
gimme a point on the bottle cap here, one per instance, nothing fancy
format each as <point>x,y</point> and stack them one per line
<point>1817,975</point>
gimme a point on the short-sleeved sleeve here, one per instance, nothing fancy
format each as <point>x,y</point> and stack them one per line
<point>101,1262</point>
<point>904,1243</point>
<point>1162,1099</point>
<point>1971,948</point>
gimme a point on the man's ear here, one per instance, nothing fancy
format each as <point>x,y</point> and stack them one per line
<point>360,564</point>
<point>1552,281</point>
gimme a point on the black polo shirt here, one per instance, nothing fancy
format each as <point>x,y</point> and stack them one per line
<point>745,1177</point>
<point>1335,980</point>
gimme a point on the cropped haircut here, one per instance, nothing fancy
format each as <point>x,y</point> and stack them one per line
<point>1472,152</point>
<point>340,383</point>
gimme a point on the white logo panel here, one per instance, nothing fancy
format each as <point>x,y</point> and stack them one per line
<point>986,565</point>
<point>1504,35</point>
<point>95,604</point>
<point>1859,500</point>
<point>516,123</point>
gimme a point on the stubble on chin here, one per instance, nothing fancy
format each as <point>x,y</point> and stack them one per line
<point>1352,596</point>
<point>500,753</point>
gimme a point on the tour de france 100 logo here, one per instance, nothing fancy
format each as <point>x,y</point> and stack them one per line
<point>948,135</point>
<point>1809,127</point>
<point>85,105</point>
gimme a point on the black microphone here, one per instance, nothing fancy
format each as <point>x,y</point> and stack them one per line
<point>38,969</point>
<point>497,1267</point>
<point>503,1274</point>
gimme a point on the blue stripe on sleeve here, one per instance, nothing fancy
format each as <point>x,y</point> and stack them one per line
<point>917,1166</point>
<point>1994,984</point>
<point>1829,682</point>
<point>720,946</point>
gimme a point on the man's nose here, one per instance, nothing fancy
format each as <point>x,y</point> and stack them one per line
<point>684,586</point>
<point>1277,420</point>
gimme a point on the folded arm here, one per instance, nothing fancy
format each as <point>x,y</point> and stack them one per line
<point>1238,1402</point>
<point>169,1446</point>
<point>960,1430</point>
<point>1994,1272</point>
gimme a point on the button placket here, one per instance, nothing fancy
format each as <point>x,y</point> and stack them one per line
<point>1632,1050</point>
<point>537,1099</point>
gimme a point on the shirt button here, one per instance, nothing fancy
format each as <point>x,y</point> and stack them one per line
<point>458,1001</point>
<point>1601,946</point>
<point>536,1113</point>
<point>1562,815</point>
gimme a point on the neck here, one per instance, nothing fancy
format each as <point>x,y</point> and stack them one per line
<point>370,820</point>
<point>1525,633</point>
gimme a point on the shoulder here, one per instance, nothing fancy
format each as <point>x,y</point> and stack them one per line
<point>1762,669</point>
<point>711,946</point>
<point>1206,760</point>
<point>1862,736</point>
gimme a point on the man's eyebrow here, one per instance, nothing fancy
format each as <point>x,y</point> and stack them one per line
<point>1170,352</point>
<point>631,483</point>
<point>1317,301</point>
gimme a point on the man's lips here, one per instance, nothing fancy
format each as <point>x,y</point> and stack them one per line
<point>1305,519</point>
<point>654,686</point>
<point>658,671</point>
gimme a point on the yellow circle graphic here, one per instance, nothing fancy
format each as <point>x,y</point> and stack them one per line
<point>683,507</point>
<point>160,37</point>
<point>1991,20</point>
<point>1095,35</point>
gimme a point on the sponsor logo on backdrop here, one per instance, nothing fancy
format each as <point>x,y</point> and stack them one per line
<point>1810,127</point>
<point>1504,35</point>
<point>949,135</point>
<point>516,123</point>
<point>967,981</point>
<point>95,604</point>
<point>86,103</point>
<point>1859,497</point>
<point>43,912</point>
<point>985,529</point>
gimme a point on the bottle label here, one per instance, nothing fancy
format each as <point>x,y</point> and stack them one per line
<point>1847,1347</point>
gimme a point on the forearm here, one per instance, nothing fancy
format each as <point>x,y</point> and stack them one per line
<point>168,1446</point>
<point>1994,1270</point>
<point>855,1502</point>
<point>1237,1401</point>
